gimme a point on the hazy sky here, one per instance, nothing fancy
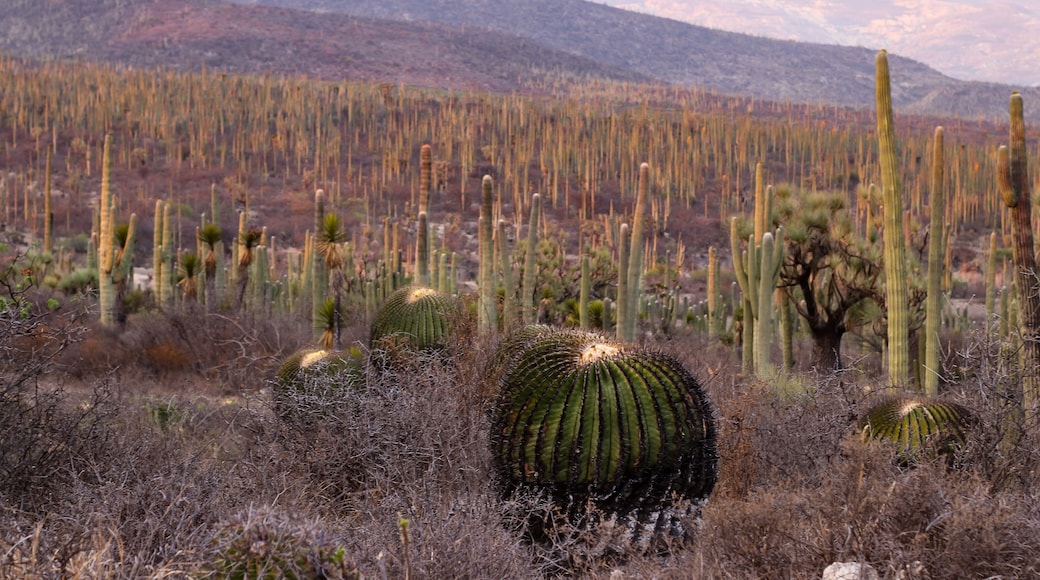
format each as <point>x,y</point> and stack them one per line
<point>990,40</point>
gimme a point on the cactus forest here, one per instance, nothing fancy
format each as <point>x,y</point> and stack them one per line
<point>267,327</point>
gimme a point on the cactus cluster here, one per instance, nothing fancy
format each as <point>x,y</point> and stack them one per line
<point>587,419</point>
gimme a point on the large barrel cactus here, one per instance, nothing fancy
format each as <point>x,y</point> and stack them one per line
<point>589,420</point>
<point>414,318</point>
<point>917,426</point>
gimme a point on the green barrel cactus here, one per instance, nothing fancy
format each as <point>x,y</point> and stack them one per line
<point>414,318</point>
<point>588,420</point>
<point>307,379</point>
<point>917,425</point>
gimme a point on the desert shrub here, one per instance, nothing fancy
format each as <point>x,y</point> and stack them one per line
<point>47,436</point>
<point>267,543</point>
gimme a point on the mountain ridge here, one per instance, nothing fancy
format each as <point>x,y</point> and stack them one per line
<point>478,44</point>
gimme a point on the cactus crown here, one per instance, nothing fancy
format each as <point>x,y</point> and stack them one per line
<point>585,418</point>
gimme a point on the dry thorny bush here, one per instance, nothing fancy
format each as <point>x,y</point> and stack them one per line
<point>139,469</point>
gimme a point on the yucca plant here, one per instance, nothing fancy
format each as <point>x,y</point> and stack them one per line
<point>416,319</point>
<point>590,421</point>
<point>188,274</point>
<point>917,426</point>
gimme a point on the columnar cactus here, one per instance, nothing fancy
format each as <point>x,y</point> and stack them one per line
<point>115,263</point>
<point>713,292</point>
<point>508,288</point>
<point>917,425</point>
<point>757,272</point>
<point>635,258</point>
<point>422,256</point>
<point>1013,178</point>
<point>896,300</point>
<point>487,310</point>
<point>933,304</point>
<point>531,262</point>
<point>991,282</point>
<point>624,243</point>
<point>319,278</point>
<point>583,297</point>
<point>590,420</point>
<point>415,318</point>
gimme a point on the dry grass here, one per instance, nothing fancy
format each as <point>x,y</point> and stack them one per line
<point>398,473</point>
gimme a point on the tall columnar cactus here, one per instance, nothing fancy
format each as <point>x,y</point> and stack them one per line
<point>115,248</point>
<point>414,318</point>
<point>933,304</point>
<point>157,252</point>
<point>624,244</point>
<point>583,296</point>
<point>48,215</point>
<point>422,252</point>
<point>635,258</point>
<point>168,277</point>
<point>508,288</point>
<point>896,298</point>
<point>1013,176</point>
<point>757,272</point>
<point>713,292</point>
<point>991,282</point>
<point>917,426</point>
<point>319,273</point>
<point>487,310</point>
<point>531,262</point>
<point>768,272</point>
<point>590,420</point>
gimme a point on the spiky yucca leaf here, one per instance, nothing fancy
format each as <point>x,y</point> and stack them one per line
<point>585,418</point>
<point>917,424</point>
<point>416,318</point>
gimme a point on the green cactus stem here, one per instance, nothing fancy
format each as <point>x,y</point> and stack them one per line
<point>527,290</point>
<point>1014,185</point>
<point>508,287</point>
<point>635,265</point>
<point>487,310</point>
<point>584,292</point>
<point>896,300</point>
<point>622,288</point>
<point>991,282</point>
<point>933,302</point>
<point>588,420</point>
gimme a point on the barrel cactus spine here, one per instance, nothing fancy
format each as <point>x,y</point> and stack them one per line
<point>896,301</point>
<point>650,438</point>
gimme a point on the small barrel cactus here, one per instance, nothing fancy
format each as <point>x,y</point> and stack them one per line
<point>307,376</point>
<point>414,318</point>
<point>264,543</point>
<point>587,419</point>
<point>917,425</point>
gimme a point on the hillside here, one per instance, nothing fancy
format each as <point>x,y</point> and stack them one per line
<point>689,55</point>
<point>189,34</point>
<point>487,44</point>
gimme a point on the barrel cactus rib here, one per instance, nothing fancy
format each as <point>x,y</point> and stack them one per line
<point>420,318</point>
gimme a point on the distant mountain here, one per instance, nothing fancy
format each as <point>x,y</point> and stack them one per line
<point>676,52</point>
<point>496,45</point>
<point>190,34</point>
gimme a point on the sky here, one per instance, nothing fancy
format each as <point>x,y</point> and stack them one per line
<point>982,40</point>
